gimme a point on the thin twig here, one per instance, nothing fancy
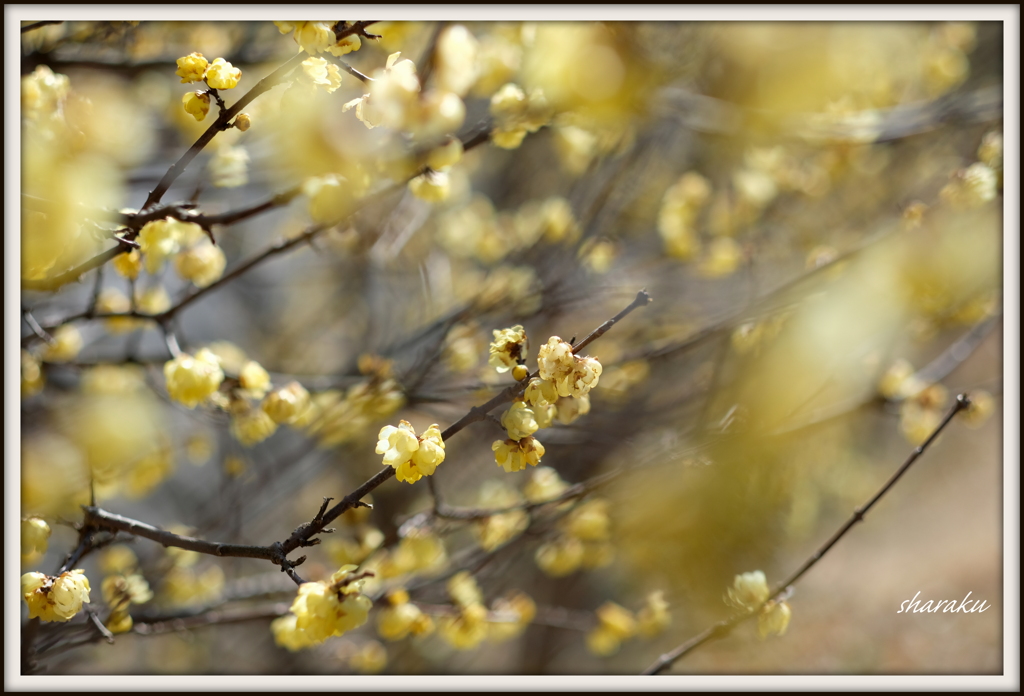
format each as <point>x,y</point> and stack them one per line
<point>724,628</point>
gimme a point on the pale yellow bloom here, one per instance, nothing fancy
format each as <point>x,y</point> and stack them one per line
<point>68,342</point>
<point>432,187</point>
<point>222,75</point>
<point>971,187</point>
<point>508,348</point>
<point>456,60</point>
<point>519,421</point>
<point>540,391</point>
<point>370,658</point>
<point>251,426</point>
<point>560,557</point>
<point>192,68</point>
<point>748,591</point>
<point>196,104</point>
<point>544,484</point>
<point>288,635</point>
<point>330,198</point>
<point>202,264</point>
<point>411,457</point>
<point>191,380</point>
<point>254,378</point>
<point>55,598</point>
<point>129,264</point>
<point>982,406</point>
<point>654,617</point>
<point>773,619</point>
<point>589,521</point>
<point>514,456</point>
<point>319,73</point>
<point>325,609</point>
<point>35,534</point>
<point>284,405</point>
<point>446,155</point>
<point>514,613</point>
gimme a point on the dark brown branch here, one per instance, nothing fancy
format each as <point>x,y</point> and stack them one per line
<point>39,25</point>
<point>210,618</point>
<point>724,628</point>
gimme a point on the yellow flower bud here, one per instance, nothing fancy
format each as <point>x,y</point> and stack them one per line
<point>128,265</point>
<point>202,264</point>
<point>35,534</point>
<point>773,619</point>
<point>68,342</point>
<point>242,122</point>
<point>749,590</point>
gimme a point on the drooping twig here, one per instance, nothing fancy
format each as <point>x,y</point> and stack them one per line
<point>724,628</point>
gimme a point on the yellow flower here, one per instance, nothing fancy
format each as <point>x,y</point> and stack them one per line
<point>456,60</point>
<point>589,521</point>
<point>773,619</point>
<point>35,534</point>
<point>432,187</point>
<point>654,617</point>
<point>560,557</point>
<point>513,614</point>
<point>467,629</point>
<point>325,609</point>
<point>514,456</point>
<point>191,380</point>
<point>748,590</point>
<point>197,104</point>
<point>252,377</point>
<point>519,421</point>
<point>68,342</point>
<point>284,405</point>
<point>252,425</point>
<point>555,361</point>
<point>448,155</point>
<point>508,348</point>
<point>569,409</point>
<point>202,264</point>
<point>222,75</point>
<point>162,238</point>
<point>401,618</point>
<point>128,265</point>
<point>312,37</point>
<point>330,198</point>
<point>616,624</point>
<point>411,457</point>
<point>55,598</point>
<point>319,73</point>
<point>192,68</point>
<point>540,392</point>
<point>544,484</point>
<point>982,406</point>
<point>242,122</point>
<point>288,636</point>
<point>370,658</point>
<point>971,187</point>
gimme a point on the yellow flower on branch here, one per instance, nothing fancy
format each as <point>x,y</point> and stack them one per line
<point>222,75</point>
<point>192,68</point>
<point>197,104</point>
<point>412,457</point>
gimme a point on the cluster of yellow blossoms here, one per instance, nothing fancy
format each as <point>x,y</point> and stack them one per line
<point>749,592</point>
<point>617,624</point>
<point>219,74</point>
<point>55,598</point>
<point>561,374</point>
<point>582,541</point>
<point>319,37</point>
<point>321,610</point>
<point>412,457</point>
<point>922,405</point>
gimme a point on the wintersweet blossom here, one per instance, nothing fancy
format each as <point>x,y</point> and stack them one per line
<point>192,68</point>
<point>55,598</point>
<point>197,104</point>
<point>748,591</point>
<point>330,608</point>
<point>508,348</point>
<point>191,380</point>
<point>412,457</point>
<point>773,619</point>
<point>514,456</point>
<point>519,421</point>
<point>222,75</point>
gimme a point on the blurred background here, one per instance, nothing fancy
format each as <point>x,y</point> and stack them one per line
<point>815,209</point>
